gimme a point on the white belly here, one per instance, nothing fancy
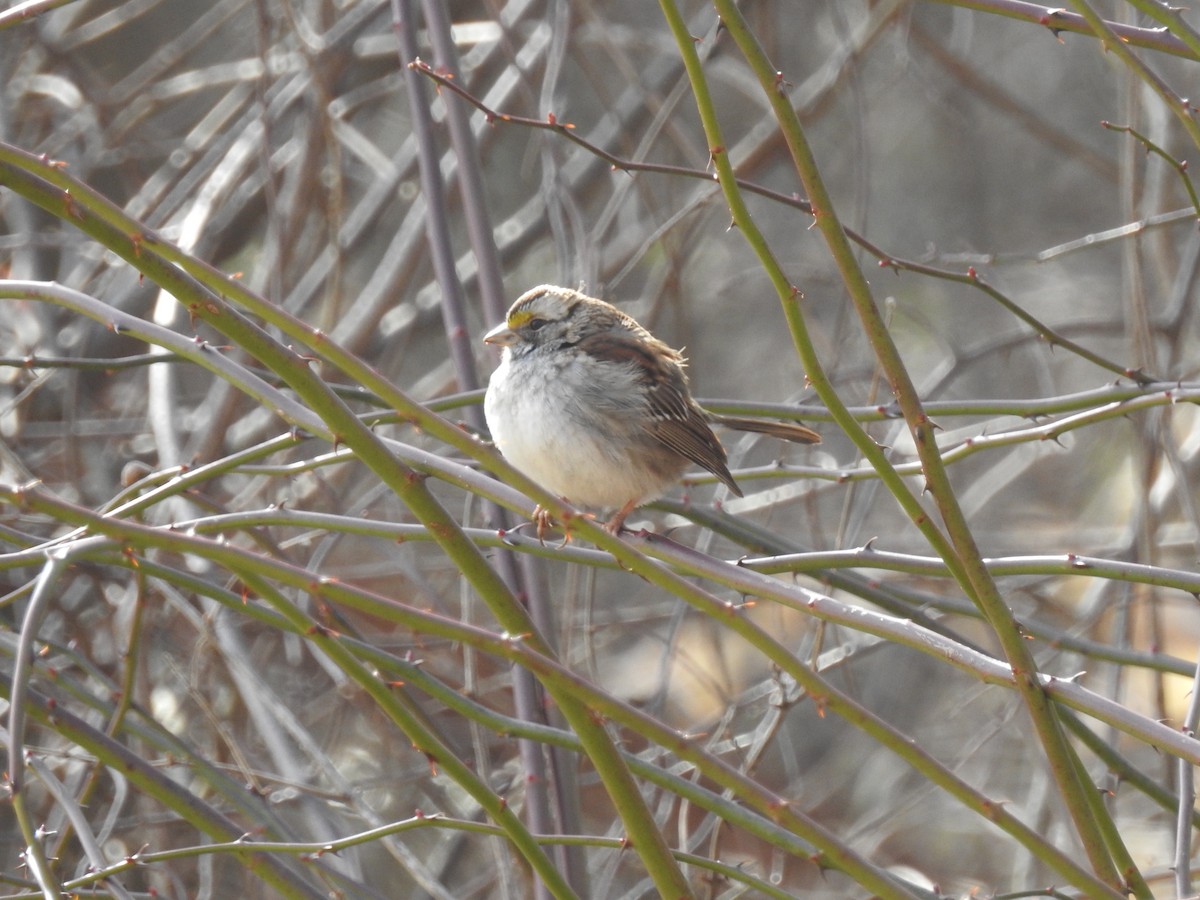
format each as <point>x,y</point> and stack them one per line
<point>548,439</point>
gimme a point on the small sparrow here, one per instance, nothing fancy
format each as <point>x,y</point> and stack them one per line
<point>593,407</point>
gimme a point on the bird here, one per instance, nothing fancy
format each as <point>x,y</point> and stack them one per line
<point>593,407</point>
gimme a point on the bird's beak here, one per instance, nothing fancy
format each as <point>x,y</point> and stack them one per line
<point>500,336</point>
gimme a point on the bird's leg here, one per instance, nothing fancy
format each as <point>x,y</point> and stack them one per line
<point>617,522</point>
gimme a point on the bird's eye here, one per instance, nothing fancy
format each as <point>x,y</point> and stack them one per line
<point>537,324</point>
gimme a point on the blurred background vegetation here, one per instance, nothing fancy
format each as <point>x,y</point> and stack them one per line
<point>236,615</point>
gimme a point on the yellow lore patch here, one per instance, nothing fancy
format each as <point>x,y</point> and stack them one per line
<point>519,317</point>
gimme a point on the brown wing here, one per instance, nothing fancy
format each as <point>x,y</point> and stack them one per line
<point>675,419</point>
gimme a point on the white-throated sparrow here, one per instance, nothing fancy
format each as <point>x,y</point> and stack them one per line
<point>593,407</point>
